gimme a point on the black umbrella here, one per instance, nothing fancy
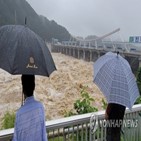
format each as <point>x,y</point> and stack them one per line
<point>24,52</point>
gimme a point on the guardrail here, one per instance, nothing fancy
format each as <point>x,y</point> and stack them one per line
<point>79,127</point>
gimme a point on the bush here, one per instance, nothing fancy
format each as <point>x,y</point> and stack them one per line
<point>8,120</point>
<point>83,105</point>
<point>138,80</point>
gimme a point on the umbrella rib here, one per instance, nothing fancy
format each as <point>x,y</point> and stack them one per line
<point>21,33</point>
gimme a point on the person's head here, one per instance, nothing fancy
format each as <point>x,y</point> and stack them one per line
<point>28,84</point>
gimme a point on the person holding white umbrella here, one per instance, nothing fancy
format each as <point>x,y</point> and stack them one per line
<point>114,77</point>
<point>114,115</point>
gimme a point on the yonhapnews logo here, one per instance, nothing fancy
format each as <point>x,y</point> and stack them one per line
<point>96,123</point>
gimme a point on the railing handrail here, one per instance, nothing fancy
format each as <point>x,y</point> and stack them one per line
<point>67,121</point>
<point>78,118</point>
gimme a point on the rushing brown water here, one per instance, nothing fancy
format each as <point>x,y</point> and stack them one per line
<point>58,92</point>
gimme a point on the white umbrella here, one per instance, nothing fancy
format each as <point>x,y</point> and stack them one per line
<point>114,77</point>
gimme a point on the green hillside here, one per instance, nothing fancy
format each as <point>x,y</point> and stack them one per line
<point>15,11</point>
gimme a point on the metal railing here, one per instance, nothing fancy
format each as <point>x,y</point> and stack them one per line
<point>88,127</point>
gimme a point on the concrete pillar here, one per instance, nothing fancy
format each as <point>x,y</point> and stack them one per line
<point>69,51</point>
<point>84,54</point>
<point>96,46</point>
<point>98,54</point>
<point>61,49</point>
<point>65,51</point>
<point>74,52</point>
<point>90,55</point>
<point>78,54</point>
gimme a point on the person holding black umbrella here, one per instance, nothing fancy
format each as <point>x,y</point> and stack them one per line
<point>22,51</point>
<point>30,118</point>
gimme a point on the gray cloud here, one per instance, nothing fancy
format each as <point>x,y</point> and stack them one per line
<point>93,17</point>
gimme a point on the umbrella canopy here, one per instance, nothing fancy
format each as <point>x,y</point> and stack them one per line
<point>114,77</point>
<point>24,52</point>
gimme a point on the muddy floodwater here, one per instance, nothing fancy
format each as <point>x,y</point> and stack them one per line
<point>58,92</point>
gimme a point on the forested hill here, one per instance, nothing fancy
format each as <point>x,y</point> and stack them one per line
<point>15,11</point>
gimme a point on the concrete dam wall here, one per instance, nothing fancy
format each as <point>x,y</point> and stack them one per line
<point>92,54</point>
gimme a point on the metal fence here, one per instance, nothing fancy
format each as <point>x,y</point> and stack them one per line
<point>88,127</point>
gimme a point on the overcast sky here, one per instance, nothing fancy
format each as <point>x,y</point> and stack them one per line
<point>93,17</point>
